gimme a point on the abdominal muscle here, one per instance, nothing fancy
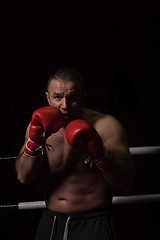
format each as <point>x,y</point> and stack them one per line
<point>76,193</point>
<point>70,184</point>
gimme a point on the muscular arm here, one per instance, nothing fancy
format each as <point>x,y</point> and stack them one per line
<point>45,121</point>
<point>27,167</point>
<point>121,174</point>
<point>106,132</point>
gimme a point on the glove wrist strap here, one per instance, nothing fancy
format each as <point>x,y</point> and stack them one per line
<point>105,162</point>
<point>35,150</point>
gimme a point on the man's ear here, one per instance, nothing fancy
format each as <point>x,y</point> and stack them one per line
<point>47,96</point>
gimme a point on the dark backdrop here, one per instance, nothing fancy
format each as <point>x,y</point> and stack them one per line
<point>114,44</point>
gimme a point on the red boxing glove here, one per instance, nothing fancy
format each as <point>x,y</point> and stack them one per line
<point>46,120</point>
<point>81,131</point>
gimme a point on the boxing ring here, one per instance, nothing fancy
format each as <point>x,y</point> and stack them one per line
<point>117,200</point>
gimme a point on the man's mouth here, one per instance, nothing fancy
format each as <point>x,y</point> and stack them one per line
<point>65,115</point>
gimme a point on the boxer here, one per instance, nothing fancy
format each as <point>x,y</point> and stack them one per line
<point>91,158</point>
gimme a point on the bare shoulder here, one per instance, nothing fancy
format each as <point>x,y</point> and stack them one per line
<point>106,125</point>
<point>98,119</point>
<point>92,116</point>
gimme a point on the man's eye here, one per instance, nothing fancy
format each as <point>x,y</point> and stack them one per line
<point>72,98</point>
<point>57,97</point>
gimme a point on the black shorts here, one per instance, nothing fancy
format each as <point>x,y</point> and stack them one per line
<point>88,225</point>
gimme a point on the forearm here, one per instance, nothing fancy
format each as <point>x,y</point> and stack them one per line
<point>45,121</point>
<point>27,167</point>
<point>121,174</point>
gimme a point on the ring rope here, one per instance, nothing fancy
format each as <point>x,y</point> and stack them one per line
<point>118,200</point>
<point>144,150</point>
<point>133,150</point>
<point>134,199</point>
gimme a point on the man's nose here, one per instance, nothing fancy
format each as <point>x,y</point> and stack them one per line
<point>64,104</point>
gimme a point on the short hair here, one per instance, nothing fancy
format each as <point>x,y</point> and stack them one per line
<point>68,75</point>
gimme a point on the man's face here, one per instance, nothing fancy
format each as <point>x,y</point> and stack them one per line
<point>67,96</point>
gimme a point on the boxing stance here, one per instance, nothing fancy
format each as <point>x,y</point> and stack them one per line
<point>91,158</point>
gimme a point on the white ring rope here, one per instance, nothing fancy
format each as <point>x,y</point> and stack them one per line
<point>148,198</point>
<point>134,151</point>
<point>145,150</point>
<point>31,205</point>
<point>118,200</point>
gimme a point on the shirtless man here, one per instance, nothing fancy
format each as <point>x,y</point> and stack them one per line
<point>90,158</point>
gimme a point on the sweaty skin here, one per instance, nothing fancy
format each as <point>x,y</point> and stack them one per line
<point>70,185</point>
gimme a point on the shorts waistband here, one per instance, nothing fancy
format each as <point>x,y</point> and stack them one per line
<point>83,214</point>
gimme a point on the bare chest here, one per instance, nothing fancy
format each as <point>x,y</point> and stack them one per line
<point>63,156</point>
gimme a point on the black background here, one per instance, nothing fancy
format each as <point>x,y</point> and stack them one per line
<point>114,44</point>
